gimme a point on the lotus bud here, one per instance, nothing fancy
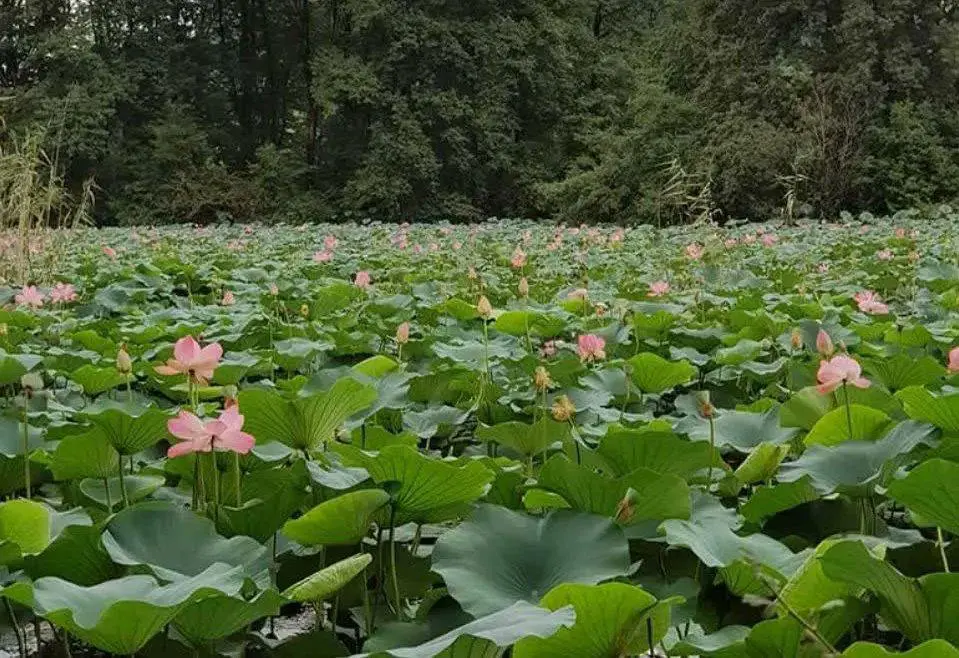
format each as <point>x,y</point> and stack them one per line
<point>124,362</point>
<point>523,287</point>
<point>541,379</point>
<point>824,344</point>
<point>704,405</point>
<point>484,308</point>
<point>563,409</point>
<point>627,506</point>
<point>796,340</point>
<point>305,311</point>
<point>403,333</point>
<point>229,396</point>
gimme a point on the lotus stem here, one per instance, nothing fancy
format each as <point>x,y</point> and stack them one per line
<point>812,630</point>
<point>123,486</point>
<point>17,629</point>
<point>845,391</point>
<point>367,608</point>
<point>237,479</point>
<point>216,486</point>
<point>712,453</point>
<point>26,450</point>
<point>396,582</point>
<point>942,549</point>
<point>106,488</point>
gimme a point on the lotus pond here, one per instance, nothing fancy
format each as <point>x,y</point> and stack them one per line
<point>511,438</point>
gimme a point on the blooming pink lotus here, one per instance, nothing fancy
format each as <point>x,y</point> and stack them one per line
<point>518,259</point>
<point>658,288</point>
<point>839,370</point>
<point>884,255</point>
<point>189,359</point>
<point>224,434</point>
<point>229,299</point>
<point>110,251</point>
<point>322,257</point>
<point>730,242</point>
<point>362,280</point>
<point>330,242</point>
<point>617,236</point>
<point>63,293</point>
<point>953,361</point>
<point>29,296</point>
<point>403,333</point>
<point>869,302</point>
<point>824,344</point>
<point>591,348</point>
<point>694,251</point>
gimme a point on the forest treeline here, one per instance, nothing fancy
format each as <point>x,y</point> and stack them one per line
<point>588,110</point>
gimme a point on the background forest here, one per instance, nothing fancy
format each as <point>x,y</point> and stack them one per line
<point>658,111</point>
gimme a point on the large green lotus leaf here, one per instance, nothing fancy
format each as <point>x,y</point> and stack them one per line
<point>25,528</point>
<point>233,368</point>
<point>832,429</point>
<point>658,495</point>
<point>96,380</point>
<point>931,490</point>
<point>269,498</point>
<point>776,638</point>
<point>761,463</point>
<point>743,431</point>
<point>328,581</point>
<point>305,423</point>
<point>940,410</point>
<point>426,490</point>
<point>176,544</point>
<point>15,366</point>
<point>653,374</point>
<point>137,488</point>
<point>701,644</point>
<point>314,643</point>
<point>903,370</point>
<point>519,322</point>
<point>904,605</point>
<point>611,620</point>
<point>743,351</point>
<point>856,466</point>
<point>487,636</point>
<point>498,557</point>
<point>218,616</point>
<point>525,439</point>
<point>804,409</point>
<point>458,308</point>
<point>809,588</point>
<point>376,366</point>
<point>89,455</point>
<point>130,428</point>
<point>342,520</point>
<point>626,450</point>
<point>930,649</point>
<point>120,616</point>
<point>291,353</point>
<point>76,555</point>
<point>769,501</point>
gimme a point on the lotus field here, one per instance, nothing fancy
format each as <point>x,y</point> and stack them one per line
<point>508,439</point>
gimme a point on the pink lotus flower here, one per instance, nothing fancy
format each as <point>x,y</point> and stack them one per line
<point>362,279</point>
<point>694,251</point>
<point>457,245</point>
<point>953,366</point>
<point>228,299</point>
<point>322,257</point>
<point>403,333</point>
<point>884,255</point>
<point>770,239</point>
<point>824,344</point>
<point>750,239</point>
<point>30,296</point>
<point>658,288</point>
<point>730,242</point>
<point>591,348</point>
<point>224,434</point>
<point>837,371</point>
<point>330,242</point>
<point>417,248</point>
<point>869,302</point>
<point>900,233</point>
<point>110,251</point>
<point>63,293</point>
<point>518,259</point>
<point>189,359</point>
<point>617,236</point>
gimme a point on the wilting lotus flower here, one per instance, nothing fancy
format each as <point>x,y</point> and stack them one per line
<point>484,308</point>
<point>694,251</point>
<point>563,409</point>
<point>403,333</point>
<point>189,359</point>
<point>322,257</point>
<point>868,302</point>
<point>541,379</point>
<point>824,344</point>
<point>29,296</point>
<point>749,239</point>
<point>110,251</point>
<point>795,340</point>
<point>330,242</point>
<point>471,273</point>
<point>839,370</point>
<point>362,279</point>
<point>884,255</point>
<point>224,434</point>
<point>228,299</point>
<point>953,361</point>
<point>658,288</point>
<point>63,293</point>
<point>591,348</point>
<point>518,259</point>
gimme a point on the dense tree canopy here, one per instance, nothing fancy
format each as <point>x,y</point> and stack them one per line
<point>590,110</point>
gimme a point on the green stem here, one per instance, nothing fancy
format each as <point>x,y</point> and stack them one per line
<point>216,487</point>
<point>236,479</point>
<point>845,392</point>
<point>26,450</point>
<point>486,346</point>
<point>396,582</point>
<point>123,486</point>
<point>129,390</point>
<point>106,488</point>
<point>21,638</point>
<point>942,550</point>
<point>367,608</point>
<point>812,630</point>
<point>712,453</point>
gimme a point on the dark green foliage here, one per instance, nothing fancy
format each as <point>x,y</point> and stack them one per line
<point>627,110</point>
